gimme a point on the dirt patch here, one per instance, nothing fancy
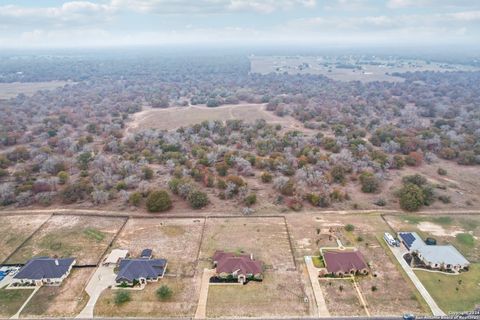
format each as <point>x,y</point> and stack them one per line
<point>82,237</point>
<point>438,230</point>
<point>176,240</point>
<point>341,298</point>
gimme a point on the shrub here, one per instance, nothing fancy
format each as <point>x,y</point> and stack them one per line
<point>197,199</point>
<point>221,168</point>
<point>349,227</point>
<point>442,172</point>
<point>62,177</point>
<point>250,199</point>
<point>238,181</point>
<point>338,174</point>
<point>370,183</point>
<point>135,198</point>
<point>158,201</point>
<point>266,177</point>
<point>164,292</point>
<point>121,297</point>
<point>444,199</point>
<point>380,202</point>
<point>147,173</point>
<point>411,197</point>
<point>416,179</point>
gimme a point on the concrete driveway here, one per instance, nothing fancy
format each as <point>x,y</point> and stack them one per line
<point>103,278</point>
<point>399,252</point>
<point>201,312</point>
<point>317,290</point>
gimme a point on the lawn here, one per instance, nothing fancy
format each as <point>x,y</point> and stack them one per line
<point>12,300</point>
<point>145,303</point>
<point>84,238</point>
<point>66,300</point>
<point>454,293</point>
<point>318,262</point>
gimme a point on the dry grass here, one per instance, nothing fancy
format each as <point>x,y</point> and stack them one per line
<point>82,237</point>
<point>173,118</point>
<point>145,303</point>
<point>176,240</point>
<point>12,300</point>
<point>14,233</point>
<point>265,238</point>
<point>64,301</point>
<point>341,297</point>
<point>279,295</point>
<point>11,90</point>
<point>309,233</point>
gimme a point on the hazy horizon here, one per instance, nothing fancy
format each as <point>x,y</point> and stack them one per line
<point>334,24</point>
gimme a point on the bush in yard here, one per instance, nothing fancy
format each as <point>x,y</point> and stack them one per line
<point>135,198</point>
<point>250,199</point>
<point>197,199</point>
<point>370,183</point>
<point>121,297</point>
<point>411,197</point>
<point>164,292</point>
<point>349,227</point>
<point>158,201</point>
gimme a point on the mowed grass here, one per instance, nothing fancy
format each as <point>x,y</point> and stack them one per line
<point>145,303</point>
<point>454,293</point>
<point>95,234</point>
<point>12,300</point>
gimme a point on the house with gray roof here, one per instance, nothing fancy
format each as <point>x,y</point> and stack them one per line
<point>445,257</point>
<point>140,271</point>
<point>44,271</point>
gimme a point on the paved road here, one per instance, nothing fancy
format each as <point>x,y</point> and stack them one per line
<point>101,280</point>
<point>201,312</point>
<point>317,290</point>
<point>398,252</point>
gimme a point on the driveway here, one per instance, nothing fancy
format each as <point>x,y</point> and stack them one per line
<point>317,290</point>
<point>398,252</point>
<point>103,278</point>
<point>201,312</point>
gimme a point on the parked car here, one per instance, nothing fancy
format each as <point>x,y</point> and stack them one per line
<point>408,316</point>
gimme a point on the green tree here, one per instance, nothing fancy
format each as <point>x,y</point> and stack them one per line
<point>62,177</point>
<point>121,297</point>
<point>411,197</point>
<point>164,292</point>
<point>84,159</point>
<point>135,198</point>
<point>370,183</point>
<point>197,199</point>
<point>158,201</point>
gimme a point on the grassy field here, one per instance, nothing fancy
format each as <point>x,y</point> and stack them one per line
<point>279,295</point>
<point>66,300</point>
<point>11,90</point>
<point>454,293</point>
<point>145,303</point>
<point>176,240</point>
<point>14,233</point>
<point>12,300</point>
<point>173,118</point>
<point>84,238</point>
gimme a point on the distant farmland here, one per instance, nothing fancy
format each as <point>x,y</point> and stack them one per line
<point>11,90</point>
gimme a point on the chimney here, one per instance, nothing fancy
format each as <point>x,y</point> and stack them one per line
<point>56,262</point>
<point>251,256</point>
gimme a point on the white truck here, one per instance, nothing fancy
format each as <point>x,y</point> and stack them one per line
<point>390,240</point>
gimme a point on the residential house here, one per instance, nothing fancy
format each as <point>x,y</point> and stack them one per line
<point>443,257</point>
<point>344,262</point>
<point>140,270</point>
<point>44,271</point>
<point>240,267</point>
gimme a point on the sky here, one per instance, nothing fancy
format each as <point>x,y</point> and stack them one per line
<point>103,23</point>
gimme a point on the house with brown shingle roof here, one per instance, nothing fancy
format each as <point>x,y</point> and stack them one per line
<point>344,262</point>
<point>240,267</point>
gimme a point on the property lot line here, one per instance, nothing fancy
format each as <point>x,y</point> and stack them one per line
<point>173,215</point>
<point>25,241</point>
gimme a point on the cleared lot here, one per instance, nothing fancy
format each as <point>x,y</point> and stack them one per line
<point>14,233</point>
<point>82,237</point>
<point>64,301</point>
<point>176,240</point>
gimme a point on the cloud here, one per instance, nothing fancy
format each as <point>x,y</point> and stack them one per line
<point>446,4</point>
<point>209,6</point>
<point>69,14</point>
